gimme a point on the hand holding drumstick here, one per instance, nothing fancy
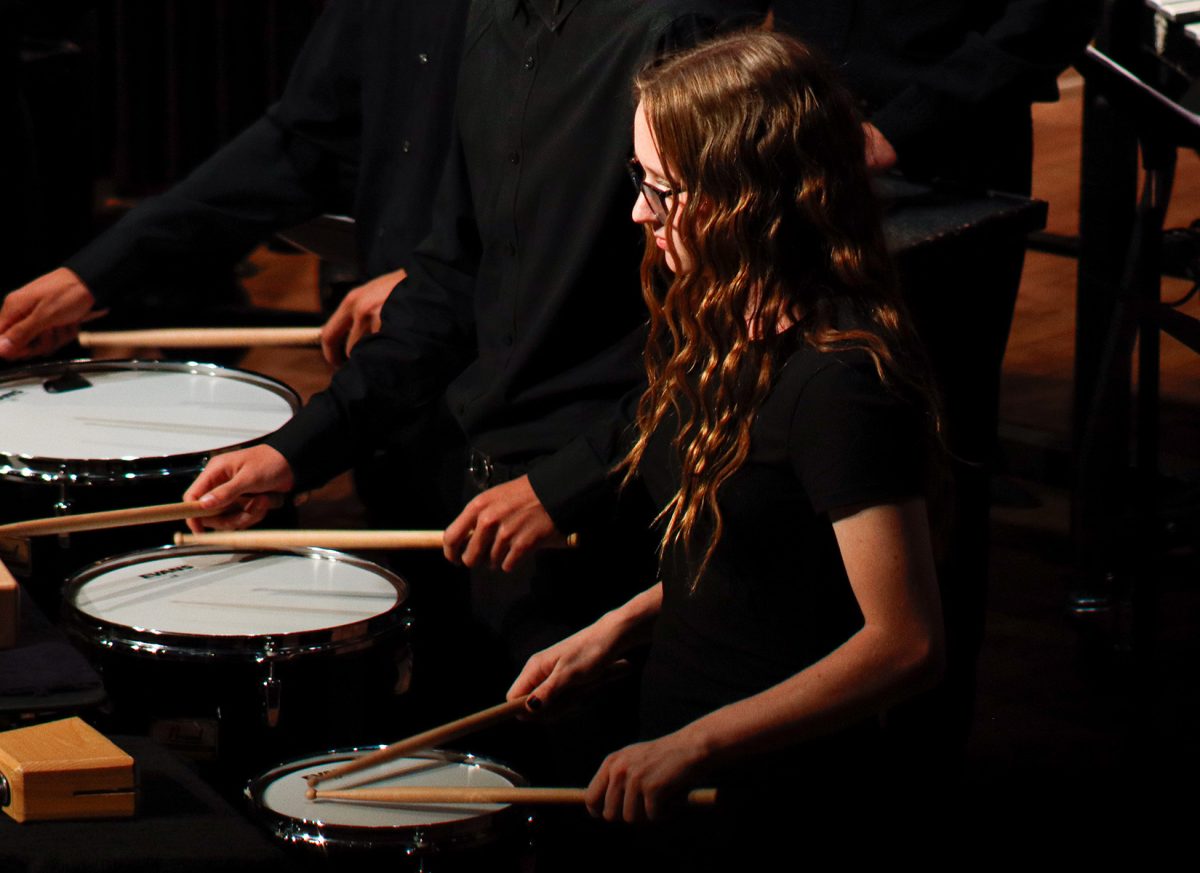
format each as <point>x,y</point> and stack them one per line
<point>644,780</point>
<point>242,484</point>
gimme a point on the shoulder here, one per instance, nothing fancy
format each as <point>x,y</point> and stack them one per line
<point>811,374</point>
<point>838,401</point>
<point>850,437</point>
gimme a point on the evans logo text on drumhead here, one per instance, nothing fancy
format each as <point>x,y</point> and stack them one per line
<point>167,572</point>
<point>10,395</point>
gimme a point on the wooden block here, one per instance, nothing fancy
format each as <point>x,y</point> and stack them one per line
<point>10,608</point>
<point>65,769</point>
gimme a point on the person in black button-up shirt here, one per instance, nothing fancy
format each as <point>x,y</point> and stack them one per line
<point>532,266</point>
<point>361,128</point>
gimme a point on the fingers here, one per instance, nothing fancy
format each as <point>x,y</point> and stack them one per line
<point>25,338</point>
<point>500,527</point>
<point>531,680</point>
<point>510,548</point>
<point>633,809</point>
<point>44,314</point>
<point>597,791</point>
<point>334,332</point>
<point>456,536</point>
<point>244,512</point>
<point>631,786</point>
<point>240,484</point>
<point>473,538</point>
<point>614,794</point>
<point>357,316</point>
<point>365,324</point>
<point>479,542</point>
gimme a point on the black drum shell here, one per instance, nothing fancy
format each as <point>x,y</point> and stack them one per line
<point>40,487</point>
<point>205,696</point>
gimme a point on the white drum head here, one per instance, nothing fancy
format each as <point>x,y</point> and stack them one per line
<point>138,411</point>
<point>234,594</point>
<point>285,795</point>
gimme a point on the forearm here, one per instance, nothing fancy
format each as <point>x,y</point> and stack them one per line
<point>631,624</point>
<point>587,653</point>
<point>261,182</point>
<point>865,675</point>
<point>899,649</point>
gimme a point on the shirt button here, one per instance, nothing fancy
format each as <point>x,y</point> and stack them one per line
<point>422,58</point>
<point>514,158</point>
<point>406,146</point>
<point>510,249</point>
<point>530,62</point>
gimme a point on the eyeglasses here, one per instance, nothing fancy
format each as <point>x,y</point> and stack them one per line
<point>656,198</point>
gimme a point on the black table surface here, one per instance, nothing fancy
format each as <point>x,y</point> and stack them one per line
<point>43,675</point>
<point>182,826</point>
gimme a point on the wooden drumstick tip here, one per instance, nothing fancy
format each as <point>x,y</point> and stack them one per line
<point>311,794</point>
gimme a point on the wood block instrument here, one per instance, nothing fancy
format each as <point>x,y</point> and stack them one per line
<point>62,770</point>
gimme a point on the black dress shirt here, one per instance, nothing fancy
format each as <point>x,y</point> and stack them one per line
<point>361,128</point>
<point>525,297</point>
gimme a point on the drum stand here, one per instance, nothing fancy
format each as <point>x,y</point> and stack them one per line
<point>1121,528</point>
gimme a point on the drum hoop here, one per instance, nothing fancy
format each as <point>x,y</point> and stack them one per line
<point>258,648</point>
<point>118,471</point>
<point>467,833</point>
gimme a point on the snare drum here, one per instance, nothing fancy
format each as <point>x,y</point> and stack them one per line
<point>246,657</point>
<point>83,436</point>
<point>460,835</point>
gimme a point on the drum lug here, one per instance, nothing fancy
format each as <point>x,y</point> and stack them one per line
<point>272,692</point>
<point>63,506</point>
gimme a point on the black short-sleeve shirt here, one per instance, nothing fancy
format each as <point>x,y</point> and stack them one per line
<point>775,596</point>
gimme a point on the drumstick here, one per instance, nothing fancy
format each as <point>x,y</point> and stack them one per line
<point>109,518</point>
<point>204,337</point>
<point>84,521</point>
<point>427,739</point>
<point>422,794</point>
<point>450,731</point>
<point>330,539</point>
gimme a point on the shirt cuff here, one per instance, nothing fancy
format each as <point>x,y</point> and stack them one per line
<point>573,485</point>
<point>313,444</point>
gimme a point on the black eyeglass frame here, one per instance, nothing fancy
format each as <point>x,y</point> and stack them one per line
<point>655,197</point>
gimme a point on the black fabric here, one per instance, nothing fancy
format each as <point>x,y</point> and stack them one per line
<point>181,826</point>
<point>43,672</point>
<point>530,270</point>
<point>949,83</point>
<point>362,128</point>
<point>775,597</point>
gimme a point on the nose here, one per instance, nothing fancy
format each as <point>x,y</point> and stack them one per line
<point>642,213</point>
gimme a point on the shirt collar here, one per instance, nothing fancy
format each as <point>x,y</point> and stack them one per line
<point>551,12</point>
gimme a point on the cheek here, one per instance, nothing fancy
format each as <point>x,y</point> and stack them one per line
<point>681,259</point>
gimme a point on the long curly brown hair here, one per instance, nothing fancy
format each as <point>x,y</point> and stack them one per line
<point>780,231</point>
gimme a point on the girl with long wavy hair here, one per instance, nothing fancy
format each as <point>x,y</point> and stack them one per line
<point>785,433</point>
